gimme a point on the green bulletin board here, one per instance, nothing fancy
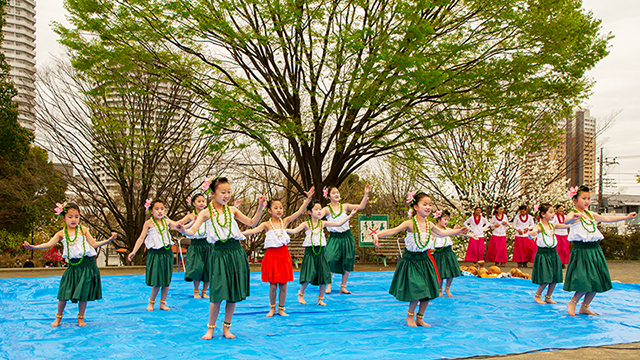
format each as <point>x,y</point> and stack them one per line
<point>369,225</point>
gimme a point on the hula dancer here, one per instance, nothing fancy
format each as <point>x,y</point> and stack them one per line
<point>446,260</point>
<point>547,268</point>
<point>562,236</point>
<point>276,263</point>
<point>199,251</point>
<point>341,248</point>
<point>477,224</point>
<point>156,237</point>
<point>524,249</point>
<point>315,268</point>
<point>81,280</point>
<point>416,277</point>
<point>228,260</point>
<point>587,272</point>
<point>497,251</point>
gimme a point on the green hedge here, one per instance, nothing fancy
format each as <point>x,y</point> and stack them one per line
<point>621,247</point>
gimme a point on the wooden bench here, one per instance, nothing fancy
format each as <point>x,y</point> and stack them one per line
<point>296,250</point>
<point>389,248</point>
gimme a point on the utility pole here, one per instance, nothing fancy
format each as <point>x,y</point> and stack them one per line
<point>603,162</point>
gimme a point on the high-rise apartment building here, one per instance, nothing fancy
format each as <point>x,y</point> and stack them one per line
<point>581,149</point>
<point>19,48</point>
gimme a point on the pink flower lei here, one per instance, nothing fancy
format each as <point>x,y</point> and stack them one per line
<point>147,204</point>
<point>60,208</point>
<point>572,192</point>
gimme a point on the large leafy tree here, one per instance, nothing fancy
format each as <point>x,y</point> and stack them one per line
<point>326,86</point>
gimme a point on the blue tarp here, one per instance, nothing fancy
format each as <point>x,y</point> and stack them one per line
<point>485,317</point>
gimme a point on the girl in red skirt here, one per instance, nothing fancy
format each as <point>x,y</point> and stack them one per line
<point>562,236</point>
<point>477,224</point>
<point>524,249</point>
<point>497,251</point>
<point>276,264</point>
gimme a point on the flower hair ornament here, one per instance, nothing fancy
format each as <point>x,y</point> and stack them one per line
<point>437,214</point>
<point>325,193</point>
<point>572,192</point>
<point>410,212</point>
<point>189,200</point>
<point>410,195</point>
<point>147,204</point>
<point>60,208</point>
<point>535,208</point>
<point>206,184</point>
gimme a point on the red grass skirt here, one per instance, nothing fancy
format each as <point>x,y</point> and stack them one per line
<point>277,266</point>
<point>475,250</point>
<point>563,247</point>
<point>524,249</point>
<point>497,251</point>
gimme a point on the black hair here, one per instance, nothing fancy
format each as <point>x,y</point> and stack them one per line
<point>477,207</point>
<point>217,181</point>
<point>312,203</point>
<point>495,208</point>
<point>445,212</point>
<point>154,202</point>
<point>542,209</point>
<point>581,188</point>
<point>522,207</point>
<point>271,201</point>
<point>417,197</point>
<point>68,207</point>
<point>559,206</point>
<point>193,199</point>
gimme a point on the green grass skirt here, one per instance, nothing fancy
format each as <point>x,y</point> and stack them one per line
<point>229,270</point>
<point>197,260</point>
<point>547,267</point>
<point>81,282</point>
<point>314,268</point>
<point>159,267</point>
<point>447,263</point>
<point>341,251</point>
<point>587,270</point>
<point>415,278</point>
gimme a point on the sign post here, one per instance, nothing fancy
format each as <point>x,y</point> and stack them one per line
<point>369,225</point>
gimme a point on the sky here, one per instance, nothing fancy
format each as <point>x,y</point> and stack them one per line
<point>616,89</point>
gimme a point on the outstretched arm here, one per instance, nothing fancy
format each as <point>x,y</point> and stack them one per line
<point>303,207</point>
<point>535,231</point>
<point>338,223</point>
<point>143,234</point>
<point>57,237</point>
<point>610,219</point>
<point>255,230</point>
<point>449,232</point>
<point>97,244</point>
<point>405,225</point>
<point>363,203</point>
<point>262,203</point>
<point>298,228</point>
<point>202,217</point>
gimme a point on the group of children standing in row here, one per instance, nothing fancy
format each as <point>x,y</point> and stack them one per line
<point>217,259</point>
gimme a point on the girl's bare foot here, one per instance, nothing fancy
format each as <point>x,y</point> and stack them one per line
<point>410,320</point>
<point>204,294</point>
<point>320,302</point>
<point>150,306</point>
<point>538,298</point>
<point>163,305</point>
<point>196,294</point>
<point>81,321</point>
<point>272,310</point>
<point>571,307</point>
<point>421,322</point>
<point>56,322</point>
<point>548,300</point>
<point>446,290</point>
<point>343,290</point>
<point>328,290</point>
<point>301,298</point>
<point>209,334</point>
<point>441,294</point>
<point>584,310</point>
<point>226,332</point>
<point>281,311</point>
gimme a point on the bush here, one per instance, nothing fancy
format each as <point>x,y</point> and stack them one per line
<point>621,247</point>
<point>11,242</point>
